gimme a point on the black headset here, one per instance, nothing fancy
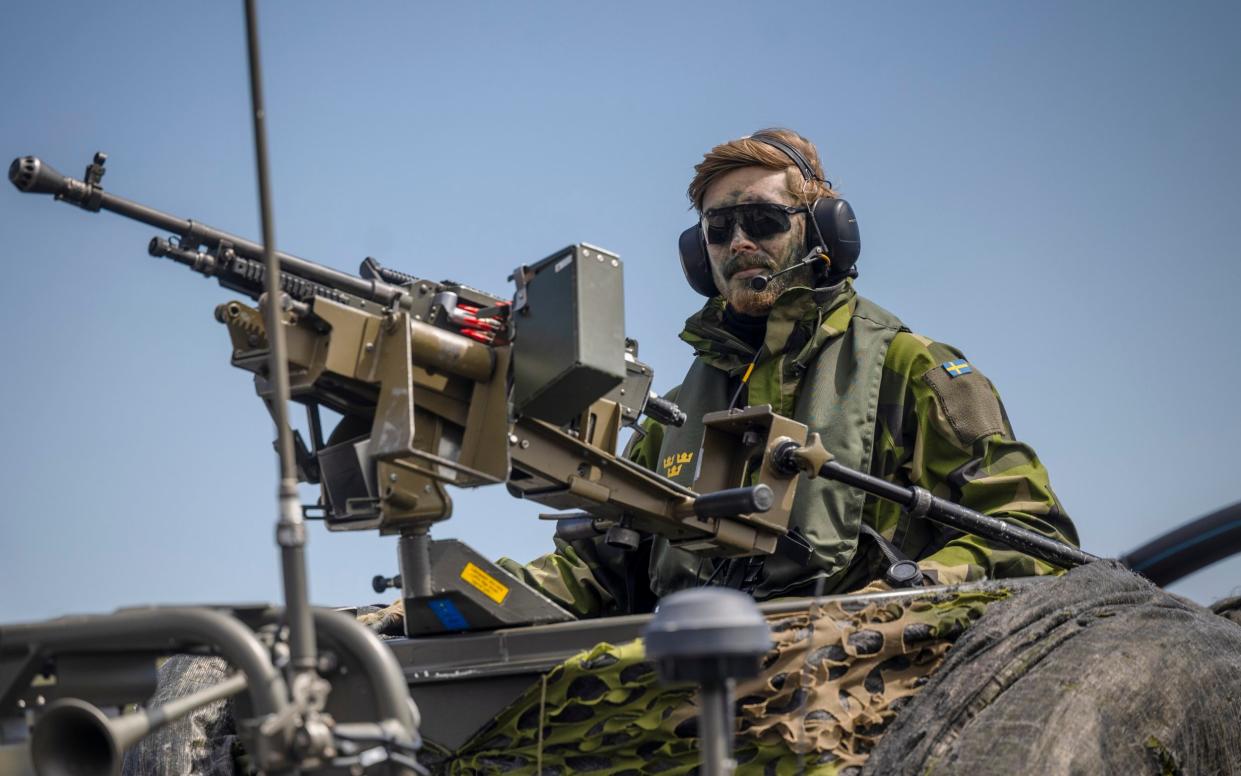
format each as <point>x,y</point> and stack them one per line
<point>834,228</point>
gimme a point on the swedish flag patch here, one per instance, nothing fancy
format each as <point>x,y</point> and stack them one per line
<point>957,368</point>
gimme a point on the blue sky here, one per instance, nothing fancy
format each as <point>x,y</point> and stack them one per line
<point>1049,187</point>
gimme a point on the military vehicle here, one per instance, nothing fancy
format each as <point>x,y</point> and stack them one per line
<point>441,384</point>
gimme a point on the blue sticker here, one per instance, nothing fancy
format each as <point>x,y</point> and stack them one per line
<point>957,368</point>
<point>448,613</point>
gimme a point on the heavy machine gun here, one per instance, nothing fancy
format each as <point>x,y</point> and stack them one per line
<point>437,384</point>
<point>441,384</point>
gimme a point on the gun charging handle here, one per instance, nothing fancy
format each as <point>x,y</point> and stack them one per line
<point>813,460</point>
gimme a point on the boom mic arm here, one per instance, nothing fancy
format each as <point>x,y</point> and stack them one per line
<point>760,282</point>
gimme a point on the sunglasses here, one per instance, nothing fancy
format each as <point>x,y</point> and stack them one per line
<point>759,220</point>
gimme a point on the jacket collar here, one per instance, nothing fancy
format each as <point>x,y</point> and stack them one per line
<point>800,323</point>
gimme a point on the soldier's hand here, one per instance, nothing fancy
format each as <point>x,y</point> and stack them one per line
<point>388,621</point>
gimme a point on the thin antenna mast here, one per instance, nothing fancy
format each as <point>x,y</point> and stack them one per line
<point>291,527</point>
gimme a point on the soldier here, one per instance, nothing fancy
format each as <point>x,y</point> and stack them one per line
<point>885,400</point>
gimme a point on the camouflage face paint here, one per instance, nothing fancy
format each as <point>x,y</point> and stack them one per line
<point>732,264</point>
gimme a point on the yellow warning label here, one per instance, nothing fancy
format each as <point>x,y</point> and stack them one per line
<point>489,586</point>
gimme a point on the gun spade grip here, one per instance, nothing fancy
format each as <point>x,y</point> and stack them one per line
<point>734,501</point>
<point>35,176</point>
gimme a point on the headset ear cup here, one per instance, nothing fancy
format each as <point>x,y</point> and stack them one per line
<point>694,262</point>
<point>838,227</point>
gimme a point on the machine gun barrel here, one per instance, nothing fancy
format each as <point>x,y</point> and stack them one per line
<point>35,176</point>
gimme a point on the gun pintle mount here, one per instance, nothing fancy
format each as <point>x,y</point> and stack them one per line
<point>441,384</point>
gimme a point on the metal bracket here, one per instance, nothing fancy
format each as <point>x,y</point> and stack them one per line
<point>314,512</point>
<point>93,175</point>
<point>520,277</point>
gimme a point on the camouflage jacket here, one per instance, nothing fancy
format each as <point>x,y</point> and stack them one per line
<point>958,446</point>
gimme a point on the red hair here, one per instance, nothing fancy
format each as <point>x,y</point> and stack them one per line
<point>747,152</point>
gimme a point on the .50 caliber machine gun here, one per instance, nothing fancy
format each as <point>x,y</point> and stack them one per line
<point>441,384</point>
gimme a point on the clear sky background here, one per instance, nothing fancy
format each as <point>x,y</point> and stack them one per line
<point>1051,187</point>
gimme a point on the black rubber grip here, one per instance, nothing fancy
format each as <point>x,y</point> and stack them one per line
<point>664,411</point>
<point>734,501</point>
<point>574,528</point>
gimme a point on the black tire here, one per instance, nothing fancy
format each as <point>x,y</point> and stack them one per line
<point>1097,672</point>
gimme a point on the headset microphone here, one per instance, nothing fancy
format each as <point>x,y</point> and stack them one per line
<point>760,282</point>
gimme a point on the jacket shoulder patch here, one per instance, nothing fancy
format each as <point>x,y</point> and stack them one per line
<point>967,400</point>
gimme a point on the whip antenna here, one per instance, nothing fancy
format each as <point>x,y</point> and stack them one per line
<point>291,527</point>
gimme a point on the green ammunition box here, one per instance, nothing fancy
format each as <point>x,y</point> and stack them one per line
<point>569,342</point>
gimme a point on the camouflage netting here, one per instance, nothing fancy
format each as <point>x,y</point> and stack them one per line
<point>834,680</point>
<point>1098,672</point>
<point>204,742</point>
